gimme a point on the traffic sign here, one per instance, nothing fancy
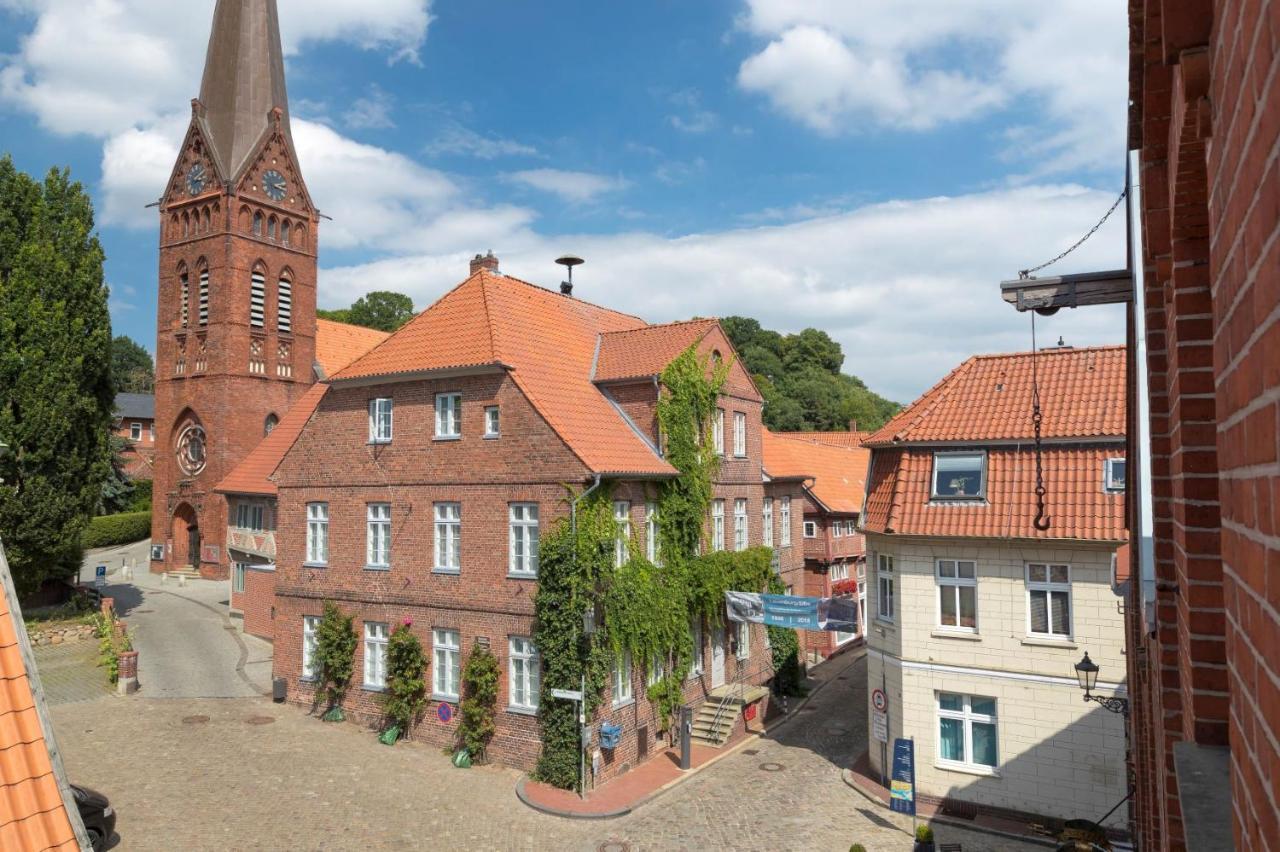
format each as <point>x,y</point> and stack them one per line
<point>444,713</point>
<point>567,694</point>
<point>880,727</point>
<point>100,575</point>
<point>879,700</point>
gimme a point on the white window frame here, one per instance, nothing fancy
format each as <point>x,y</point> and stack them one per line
<point>523,540</point>
<point>698,638</point>
<point>967,717</point>
<point>447,540</point>
<point>717,525</point>
<point>381,412</point>
<point>448,416</point>
<point>837,529</point>
<point>652,544</point>
<point>238,570</point>
<point>1108,475</point>
<point>1051,589</point>
<point>739,434</point>
<point>151,431</point>
<point>622,692</point>
<point>492,421</point>
<point>886,598</point>
<point>310,647</point>
<point>317,534</point>
<point>766,517</point>
<point>740,532</point>
<point>135,431</point>
<point>376,634</point>
<point>717,432</point>
<point>951,585</point>
<point>657,670</point>
<point>982,476</point>
<point>742,640</point>
<point>810,529</point>
<point>446,663</point>
<point>622,532</point>
<point>524,668</point>
<point>785,532</point>
<point>850,527</point>
<point>377,535</point>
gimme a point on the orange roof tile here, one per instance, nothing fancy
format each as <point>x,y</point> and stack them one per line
<point>253,474</point>
<point>835,439</point>
<point>898,496</point>
<point>339,343</point>
<point>548,343</point>
<point>33,810</point>
<point>646,351</point>
<point>839,472</point>
<point>988,398</point>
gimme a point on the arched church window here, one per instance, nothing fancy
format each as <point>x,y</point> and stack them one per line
<point>285,229</point>
<point>270,424</point>
<point>186,224</point>
<point>284,306</point>
<point>257,224</point>
<point>272,225</point>
<point>258,298</point>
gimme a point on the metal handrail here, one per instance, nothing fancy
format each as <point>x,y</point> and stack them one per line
<point>736,685</point>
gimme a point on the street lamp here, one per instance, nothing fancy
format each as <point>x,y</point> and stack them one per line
<point>1087,673</point>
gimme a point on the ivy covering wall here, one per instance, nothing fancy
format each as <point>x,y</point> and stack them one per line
<point>643,608</point>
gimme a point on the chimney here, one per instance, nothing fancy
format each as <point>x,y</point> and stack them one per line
<point>853,425</point>
<point>484,261</point>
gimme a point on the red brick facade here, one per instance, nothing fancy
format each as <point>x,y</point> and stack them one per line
<point>139,452</point>
<point>833,564</point>
<point>1202,659</point>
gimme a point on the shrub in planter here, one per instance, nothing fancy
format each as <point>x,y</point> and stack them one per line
<point>480,698</point>
<point>406,682</point>
<point>336,654</point>
<point>857,847</point>
<point>924,839</point>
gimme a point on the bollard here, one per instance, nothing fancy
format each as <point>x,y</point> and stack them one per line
<point>164,578</point>
<point>686,737</point>
<point>127,680</point>
<point>182,581</point>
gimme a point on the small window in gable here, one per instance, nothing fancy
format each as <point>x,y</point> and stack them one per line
<point>959,476</point>
<point>1114,475</point>
<point>492,422</point>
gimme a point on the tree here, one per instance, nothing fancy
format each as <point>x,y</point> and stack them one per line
<point>117,488</point>
<point>337,314</point>
<point>131,368</point>
<point>56,398</point>
<point>381,309</point>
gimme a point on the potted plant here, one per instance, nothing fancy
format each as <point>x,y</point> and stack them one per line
<point>924,839</point>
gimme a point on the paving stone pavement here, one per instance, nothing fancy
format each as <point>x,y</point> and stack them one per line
<point>69,672</point>
<point>210,774</point>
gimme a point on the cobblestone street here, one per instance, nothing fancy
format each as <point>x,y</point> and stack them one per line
<point>242,773</point>
<point>70,672</point>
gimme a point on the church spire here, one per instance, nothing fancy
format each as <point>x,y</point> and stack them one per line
<point>243,79</point>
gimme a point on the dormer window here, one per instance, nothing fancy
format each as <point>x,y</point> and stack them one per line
<point>959,476</point>
<point>1113,475</point>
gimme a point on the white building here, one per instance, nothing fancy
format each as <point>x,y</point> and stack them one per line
<point>977,616</point>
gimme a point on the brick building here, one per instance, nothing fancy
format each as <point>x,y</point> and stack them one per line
<point>833,466</point>
<point>135,423</point>
<point>977,615</point>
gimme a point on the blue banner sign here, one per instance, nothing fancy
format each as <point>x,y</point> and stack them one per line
<point>902,786</point>
<point>791,611</point>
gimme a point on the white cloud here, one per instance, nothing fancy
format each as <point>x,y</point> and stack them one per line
<point>131,61</point>
<point>456,139</point>
<point>571,186</point>
<point>693,117</point>
<point>909,288</point>
<point>373,111</point>
<point>916,64</point>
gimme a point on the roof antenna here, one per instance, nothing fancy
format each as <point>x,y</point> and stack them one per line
<point>569,261</point>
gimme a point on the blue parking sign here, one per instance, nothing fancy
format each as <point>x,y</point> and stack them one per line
<point>100,575</point>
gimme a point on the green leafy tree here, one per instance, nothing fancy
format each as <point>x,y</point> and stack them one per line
<point>406,693</point>
<point>336,654</point>
<point>381,309</point>
<point>132,370</point>
<point>336,315</point>
<point>56,397</point>
<point>479,701</point>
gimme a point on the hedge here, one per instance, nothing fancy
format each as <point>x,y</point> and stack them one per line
<point>110,530</point>
<point>141,499</point>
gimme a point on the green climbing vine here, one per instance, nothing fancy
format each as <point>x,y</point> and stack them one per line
<point>644,606</point>
<point>479,701</point>
<point>336,655</point>
<point>406,693</point>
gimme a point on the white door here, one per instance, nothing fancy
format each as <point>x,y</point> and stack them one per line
<point>717,657</point>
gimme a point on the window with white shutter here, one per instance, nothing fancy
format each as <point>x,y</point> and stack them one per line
<point>257,300</point>
<point>284,306</point>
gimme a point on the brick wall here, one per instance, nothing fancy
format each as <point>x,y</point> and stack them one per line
<point>257,602</point>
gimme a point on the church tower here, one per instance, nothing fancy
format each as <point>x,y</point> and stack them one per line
<point>236,320</point>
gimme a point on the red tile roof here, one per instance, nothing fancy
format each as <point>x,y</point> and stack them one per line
<point>646,351</point>
<point>253,474</point>
<point>338,343</point>
<point>839,472</point>
<point>33,811</point>
<point>988,398</point>
<point>835,439</point>
<point>898,496</point>
<point>548,343</point>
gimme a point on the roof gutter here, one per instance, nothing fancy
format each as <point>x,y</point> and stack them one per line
<point>417,375</point>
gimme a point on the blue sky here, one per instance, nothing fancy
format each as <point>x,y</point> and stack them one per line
<point>872,168</point>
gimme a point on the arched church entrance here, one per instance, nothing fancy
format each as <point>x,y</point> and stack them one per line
<point>186,536</point>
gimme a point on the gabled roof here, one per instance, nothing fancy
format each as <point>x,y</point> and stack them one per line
<point>140,406</point>
<point>988,398</point>
<point>338,343</point>
<point>547,342</point>
<point>839,472</point>
<point>1079,508</point>
<point>641,353</point>
<point>36,808</point>
<point>834,439</point>
<point>253,474</point>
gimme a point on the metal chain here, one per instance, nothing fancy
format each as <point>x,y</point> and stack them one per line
<point>1026,273</point>
<point>1042,521</point>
